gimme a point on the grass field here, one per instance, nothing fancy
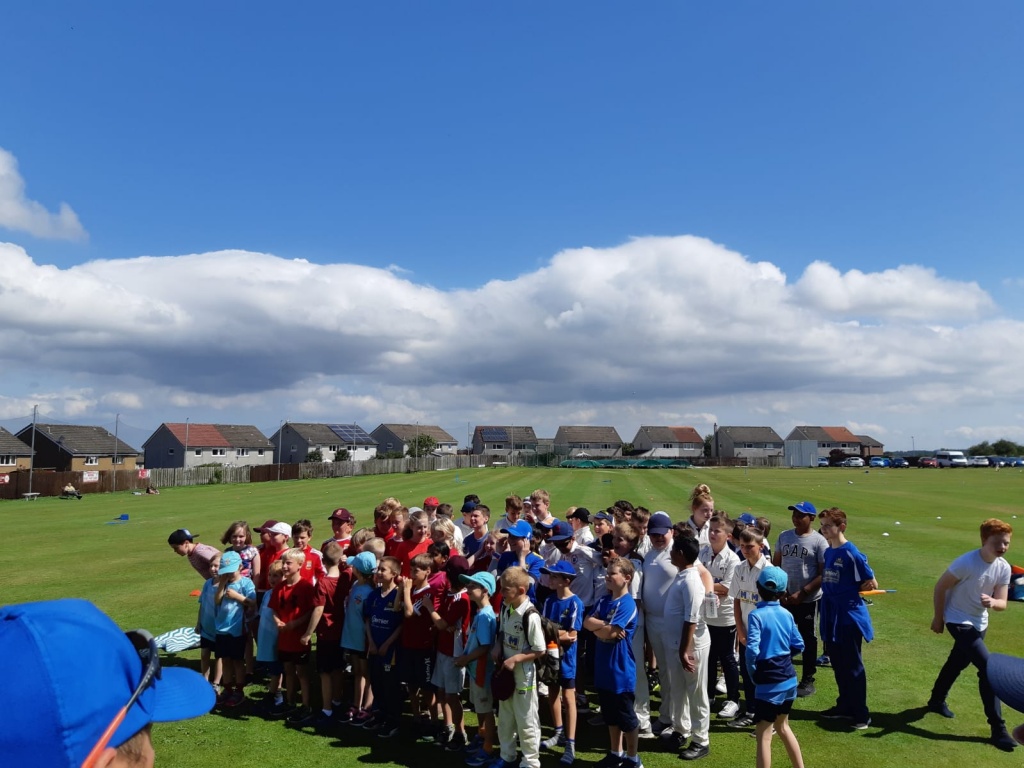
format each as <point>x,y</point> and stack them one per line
<point>130,572</point>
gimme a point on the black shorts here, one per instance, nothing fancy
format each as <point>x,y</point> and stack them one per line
<point>765,711</point>
<point>293,657</point>
<point>567,683</point>
<point>271,668</point>
<point>416,666</point>
<point>351,654</point>
<point>230,647</point>
<point>617,709</point>
<point>206,644</point>
<point>329,656</point>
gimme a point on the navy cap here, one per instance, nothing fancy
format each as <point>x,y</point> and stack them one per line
<point>562,531</point>
<point>561,568</point>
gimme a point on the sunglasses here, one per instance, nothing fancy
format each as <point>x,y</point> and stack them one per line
<point>145,645</point>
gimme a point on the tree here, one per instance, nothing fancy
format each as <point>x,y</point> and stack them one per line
<point>342,455</point>
<point>983,448</point>
<point>421,446</point>
<point>707,444</point>
<point>1006,447</point>
<point>314,456</point>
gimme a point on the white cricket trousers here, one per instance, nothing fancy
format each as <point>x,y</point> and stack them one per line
<point>519,715</point>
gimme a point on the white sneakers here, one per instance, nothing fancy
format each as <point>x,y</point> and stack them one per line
<point>729,710</point>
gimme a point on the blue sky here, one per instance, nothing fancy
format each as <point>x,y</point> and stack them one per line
<point>441,146</point>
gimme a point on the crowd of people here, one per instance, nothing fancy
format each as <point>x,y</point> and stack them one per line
<point>426,609</point>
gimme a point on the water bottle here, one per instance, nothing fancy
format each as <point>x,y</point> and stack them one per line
<point>711,605</point>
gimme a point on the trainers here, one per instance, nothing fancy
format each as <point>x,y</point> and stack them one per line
<point>862,725</point>
<point>557,740</point>
<point>276,711</point>
<point>806,688</point>
<point>360,718</point>
<point>345,716</point>
<point>479,759</point>
<point>300,718</point>
<point>823,661</point>
<point>729,710</point>
<point>743,721</point>
<point>835,713</point>
<point>387,730</point>
<point>646,733</point>
<point>695,751</point>
<point>720,686</point>
<point>940,708</point>
<point>609,761</point>
<point>569,756</point>
<point>233,698</point>
<point>324,721</point>
<point>673,739</point>
<point>456,743</point>
<point>659,727</point>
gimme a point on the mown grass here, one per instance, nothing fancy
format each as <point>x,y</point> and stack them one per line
<point>130,572</point>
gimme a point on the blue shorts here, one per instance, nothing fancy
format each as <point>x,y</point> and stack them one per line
<point>617,709</point>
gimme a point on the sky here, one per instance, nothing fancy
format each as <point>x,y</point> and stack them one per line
<point>464,213</point>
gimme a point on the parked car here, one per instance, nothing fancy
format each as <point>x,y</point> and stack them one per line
<point>950,459</point>
<point>879,462</point>
<point>997,461</point>
<point>900,463</point>
<point>823,461</point>
<point>977,461</point>
<point>1015,462</point>
<point>928,461</point>
<point>853,461</point>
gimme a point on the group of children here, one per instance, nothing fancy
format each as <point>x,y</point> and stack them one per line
<point>419,607</point>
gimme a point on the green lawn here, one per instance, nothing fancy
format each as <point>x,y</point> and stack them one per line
<point>130,572</point>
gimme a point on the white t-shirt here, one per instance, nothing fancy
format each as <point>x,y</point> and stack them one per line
<point>722,568</point>
<point>963,602</point>
<point>659,573</point>
<point>744,586</point>
<point>684,603</point>
<point>583,560</point>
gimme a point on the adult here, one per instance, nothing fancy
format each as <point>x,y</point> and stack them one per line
<point>659,573</point>
<point>184,543</point>
<point>70,719</point>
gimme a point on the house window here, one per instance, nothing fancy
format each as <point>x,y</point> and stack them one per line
<point>294,447</point>
<point>260,452</point>
<point>826,445</point>
<point>666,445</point>
<point>199,451</point>
<point>170,451</point>
<point>119,459</point>
<point>241,451</point>
<point>842,445</point>
<point>7,460</point>
<point>333,448</point>
<point>748,445</point>
<point>217,452</point>
<point>584,445</point>
<point>92,461</point>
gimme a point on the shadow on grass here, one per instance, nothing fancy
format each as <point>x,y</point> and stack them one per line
<point>887,724</point>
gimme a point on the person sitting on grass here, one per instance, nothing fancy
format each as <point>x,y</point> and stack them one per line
<point>772,640</point>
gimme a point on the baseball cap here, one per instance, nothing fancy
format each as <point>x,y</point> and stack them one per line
<point>561,568</point>
<point>747,519</point>
<point>550,523</point>
<point>603,515</point>
<point>282,528</point>
<point>484,579</point>
<point>180,536</point>
<point>773,578</point>
<point>580,513</point>
<point>229,562</point>
<point>364,562</point>
<point>521,529</point>
<point>265,526</point>
<point>343,515</point>
<point>561,531</point>
<point>805,508</point>
<point>469,506</point>
<point>456,566</point>
<point>81,669</point>
<point>414,510</point>
<point>431,501</point>
<point>659,524</point>
<point>1006,675</point>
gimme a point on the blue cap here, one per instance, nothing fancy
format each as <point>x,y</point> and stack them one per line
<point>550,523</point>
<point>602,515</point>
<point>230,562</point>
<point>747,519</point>
<point>659,524</point>
<point>520,529</point>
<point>773,579</point>
<point>80,669</point>
<point>805,507</point>
<point>561,531</point>
<point>484,579</point>
<point>469,506</point>
<point>561,568</point>
<point>364,562</point>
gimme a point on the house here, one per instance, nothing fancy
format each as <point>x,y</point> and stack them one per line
<point>182,445</point>
<point>501,441</point>
<point>296,441</point>
<point>870,447</point>
<point>14,454</point>
<point>668,442</point>
<point>758,443</point>
<point>806,444</point>
<point>598,442</point>
<point>74,448</point>
<point>392,438</point>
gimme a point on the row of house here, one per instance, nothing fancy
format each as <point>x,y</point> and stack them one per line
<point>67,447</point>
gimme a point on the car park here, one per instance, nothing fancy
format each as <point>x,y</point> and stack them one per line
<point>997,461</point>
<point>978,461</point>
<point>853,461</point>
<point>879,462</point>
<point>950,459</point>
<point>927,461</point>
<point>900,463</point>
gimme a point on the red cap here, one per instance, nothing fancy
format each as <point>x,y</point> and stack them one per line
<point>431,501</point>
<point>268,524</point>
<point>343,515</point>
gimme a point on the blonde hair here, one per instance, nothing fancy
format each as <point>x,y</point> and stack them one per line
<point>294,555</point>
<point>699,495</point>
<point>360,537</point>
<point>446,528</point>
<point>376,545</point>
<point>514,576</point>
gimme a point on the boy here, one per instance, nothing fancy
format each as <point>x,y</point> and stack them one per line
<point>353,638</point>
<point>800,552</point>
<point>522,643</point>
<point>182,541</point>
<point>721,563</point>
<point>343,523</point>
<point>613,622</point>
<point>266,643</point>
<point>513,512</point>
<point>687,632</point>
<point>845,621</point>
<point>972,585</point>
<point>772,639</point>
<point>567,610</point>
<point>479,519</point>
<point>579,519</point>
<point>235,593</point>
<point>540,502</point>
<point>451,620</point>
<point>659,574</point>
<point>482,632</point>
<point>292,603</point>
<point>520,536</point>
<point>743,593</point>
<point>206,626</point>
<point>383,614</point>
<point>419,639</point>
<point>313,565</point>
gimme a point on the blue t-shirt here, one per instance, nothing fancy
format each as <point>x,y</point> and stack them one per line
<point>471,544</point>
<point>614,667</point>
<point>266,637</point>
<point>384,617</point>
<point>534,563</point>
<point>568,614</point>
<point>772,639</point>
<point>482,632</point>
<point>842,607</point>
<point>231,613</point>
<point>208,610</point>
<point>353,631</point>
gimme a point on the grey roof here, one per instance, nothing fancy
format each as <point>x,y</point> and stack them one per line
<point>818,434</point>
<point>671,434</point>
<point>571,435</point>
<point>870,442</point>
<point>243,436</point>
<point>12,446</point>
<point>407,432</point>
<point>752,434</point>
<point>522,434</point>
<point>79,440</point>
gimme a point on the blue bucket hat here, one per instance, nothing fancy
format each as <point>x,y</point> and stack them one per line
<point>81,670</point>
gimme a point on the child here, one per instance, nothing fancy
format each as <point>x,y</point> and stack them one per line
<point>235,593</point>
<point>451,620</point>
<point>702,506</point>
<point>238,537</point>
<point>313,565</point>
<point>565,609</point>
<point>521,644</point>
<point>479,520</point>
<point>684,610</point>
<point>353,638</point>
<point>481,587</point>
<point>292,602</point>
<point>418,542</point>
<point>182,541</point>
<point>613,622</point>
<point>745,597</point>
<point>973,584</point>
<point>206,626</point>
<point>382,613</point>
<point>266,646</point>
<point>722,562</point>
<point>845,620</point>
<point>772,639</point>
<point>513,513</point>
<point>343,523</point>
<point>419,639</point>
<point>579,519</point>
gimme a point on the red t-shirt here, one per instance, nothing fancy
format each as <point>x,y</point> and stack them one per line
<point>290,602</point>
<point>327,595</point>
<point>267,558</point>
<point>312,566</point>
<point>418,630</point>
<point>455,611</point>
<point>407,550</point>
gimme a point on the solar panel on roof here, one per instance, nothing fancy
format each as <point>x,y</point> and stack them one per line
<point>494,434</point>
<point>350,433</point>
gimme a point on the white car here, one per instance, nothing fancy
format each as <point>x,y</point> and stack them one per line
<point>853,461</point>
<point>977,461</point>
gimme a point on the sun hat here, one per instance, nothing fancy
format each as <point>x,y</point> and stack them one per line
<point>81,669</point>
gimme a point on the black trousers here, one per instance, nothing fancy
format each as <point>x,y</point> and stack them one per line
<point>968,648</point>
<point>806,617</point>
<point>723,651</point>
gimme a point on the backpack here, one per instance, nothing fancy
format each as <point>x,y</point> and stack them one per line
<point>547,666</point>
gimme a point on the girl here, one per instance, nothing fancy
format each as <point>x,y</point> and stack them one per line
<point>238,538</point>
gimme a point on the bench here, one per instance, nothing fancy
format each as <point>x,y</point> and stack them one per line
<point>30,496</point>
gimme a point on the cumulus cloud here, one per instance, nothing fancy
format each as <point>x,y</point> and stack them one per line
<point>670,330</point>
<point>19,213</point>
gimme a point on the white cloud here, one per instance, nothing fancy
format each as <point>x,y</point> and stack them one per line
<point>672,330</point>
<point>21,214</point>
